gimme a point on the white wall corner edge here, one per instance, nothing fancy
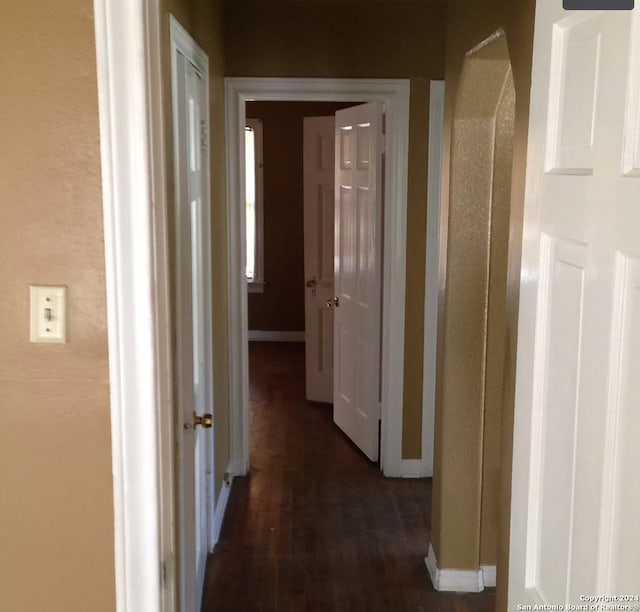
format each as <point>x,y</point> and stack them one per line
<point>221,508</point>
<point>460,581</point>
<point>488,575</point>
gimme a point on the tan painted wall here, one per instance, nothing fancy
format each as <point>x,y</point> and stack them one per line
<point>281,306</point>
<point>358,39</point>
<point>203,20</point>
<point>467,25</point>
<point>470,377</point>
<point>496,326</point>
<point>56,506</point>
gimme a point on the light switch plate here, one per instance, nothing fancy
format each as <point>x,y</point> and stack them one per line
<point>48,314</point>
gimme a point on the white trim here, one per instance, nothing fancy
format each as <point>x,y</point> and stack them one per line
<point>432,273</point>
<point>135,276</point>
<point>257,284</point>
<point>488,575</point>
<point>164,331</point>
<point>460,581</point>
<point>415,468</point>
<point>256,335</point>
<point>182,41</point>
<point>394,93</point>
<point>221,509</point>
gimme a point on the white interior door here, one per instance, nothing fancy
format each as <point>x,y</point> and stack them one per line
<point>193,319</point>
<point>357,269</point>
<point>574,529</point>
<point>319,151</point>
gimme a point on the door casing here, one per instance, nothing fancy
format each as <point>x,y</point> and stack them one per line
<point>394,94</point>
<point>131,106</point>
<point>432,273</point>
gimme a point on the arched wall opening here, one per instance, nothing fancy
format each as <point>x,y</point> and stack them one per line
<point>471,349</point>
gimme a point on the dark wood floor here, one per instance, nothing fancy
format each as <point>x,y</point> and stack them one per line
<point>315,526</point>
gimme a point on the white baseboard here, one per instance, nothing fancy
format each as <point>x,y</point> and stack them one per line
<point>409,468</point>
<point>221,508</point>
<point>488,575</point>
<point>461,581</point>
<point>415,468</point>
<point>256,335</point>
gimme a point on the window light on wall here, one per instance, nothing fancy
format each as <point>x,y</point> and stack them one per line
<point>253,190</point>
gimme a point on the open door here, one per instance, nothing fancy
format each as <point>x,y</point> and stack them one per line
<point>192,286</point>
<point>357,271</point>
<point>318,255</point>
<point>575,497</point>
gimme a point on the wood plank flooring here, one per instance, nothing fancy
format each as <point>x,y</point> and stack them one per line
<point>315,527</point>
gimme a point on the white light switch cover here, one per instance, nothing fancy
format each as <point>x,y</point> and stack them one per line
<point>48,314</point>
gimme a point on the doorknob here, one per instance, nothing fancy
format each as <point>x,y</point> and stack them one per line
<point>205,420</point>
<point>311,283</point>
<point>331,302</point>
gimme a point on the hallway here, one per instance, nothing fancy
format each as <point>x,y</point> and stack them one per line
<point>315,526</point>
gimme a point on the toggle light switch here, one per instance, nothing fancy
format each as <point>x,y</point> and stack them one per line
<point>48,314</point>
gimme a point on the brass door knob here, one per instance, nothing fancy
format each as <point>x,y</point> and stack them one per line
<point>331,302</point>
<point>205,420</point>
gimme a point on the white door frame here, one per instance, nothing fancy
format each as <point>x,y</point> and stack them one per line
<point>394,93</point>
<point>130,99</point>
<point>432,273</point>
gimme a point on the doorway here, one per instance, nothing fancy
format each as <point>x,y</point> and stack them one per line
<point>276,222</point>
<point>394,94</point>
<point>291,259</point>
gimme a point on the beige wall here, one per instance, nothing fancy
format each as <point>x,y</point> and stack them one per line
<point>56,507</point>
<point>281,306</point>
<point>467,25</point>
<point>203,20</point>
<point>55,465</point>
<point>380,39</point>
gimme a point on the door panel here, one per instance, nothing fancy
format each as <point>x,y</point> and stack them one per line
<point>622,573</point>
<point>318,255</point>
<point>563,278</point>
<point>193,325</point>
<point>574,524</point>
<point>357,261</point>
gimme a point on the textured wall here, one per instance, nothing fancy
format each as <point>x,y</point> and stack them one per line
<point>496,326</point>
<point>468,24</point>
<point>56,530</point>
<point>470,373</point>
<point>381,39</point>
<point>281,305</point>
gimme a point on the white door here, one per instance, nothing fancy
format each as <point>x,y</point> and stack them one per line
<point>575,528</point>
<point>318,255</point>
<point>193,320</point>
<point>357,269</point>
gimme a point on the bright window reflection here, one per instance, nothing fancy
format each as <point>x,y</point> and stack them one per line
<point>250,189</point>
